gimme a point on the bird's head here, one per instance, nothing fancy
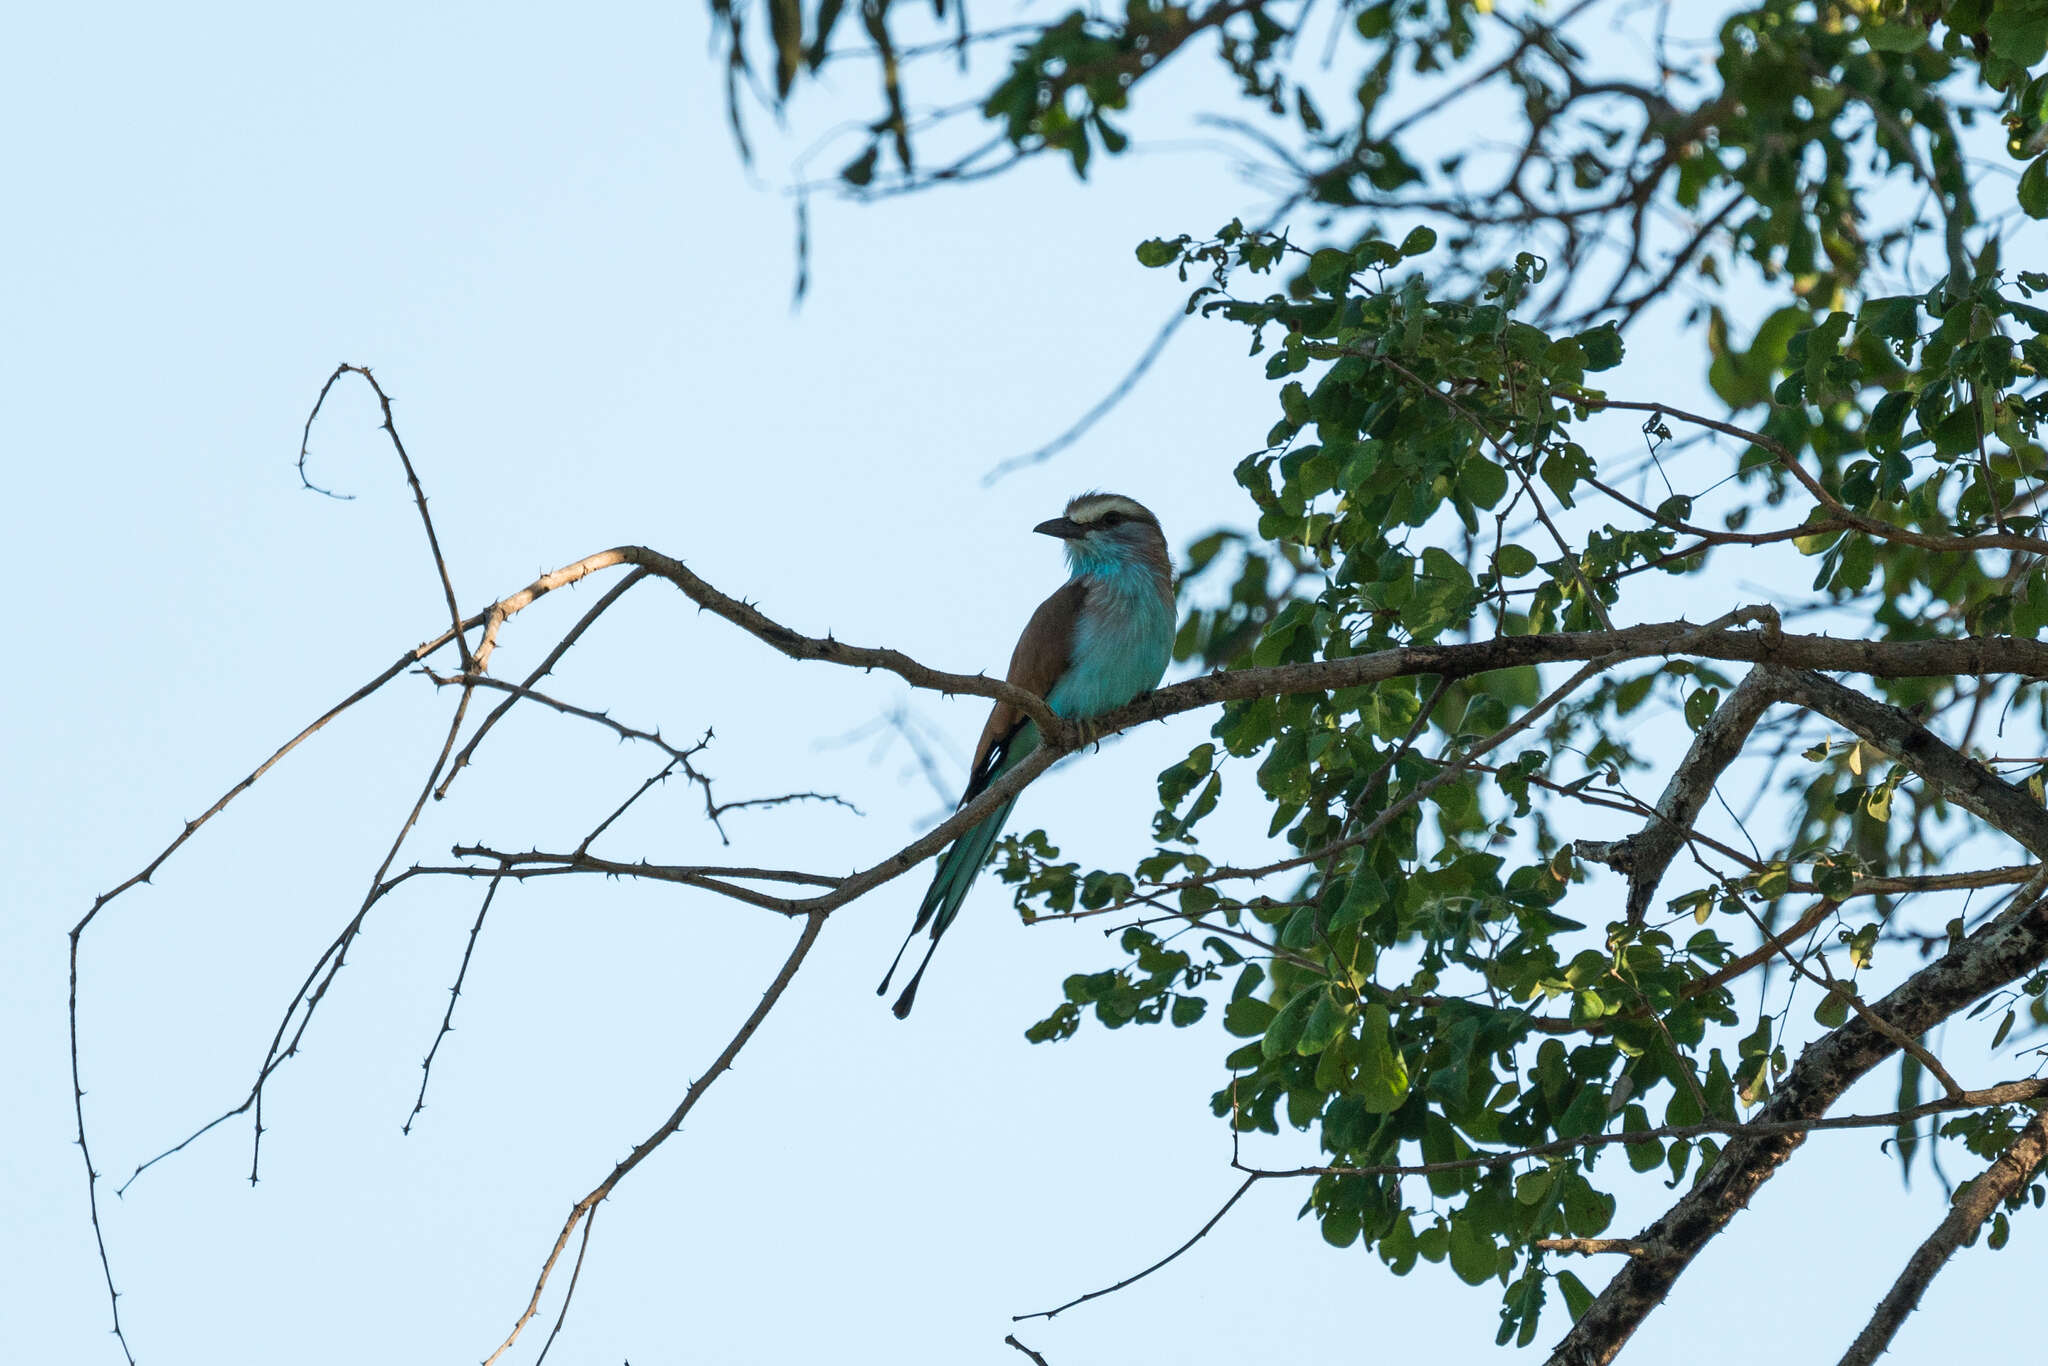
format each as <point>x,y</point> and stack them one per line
<point>1105,531</point>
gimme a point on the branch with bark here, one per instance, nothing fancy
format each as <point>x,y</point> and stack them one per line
<point>1786,668</point>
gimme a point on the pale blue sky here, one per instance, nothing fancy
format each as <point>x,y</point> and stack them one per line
<point>538,233</point>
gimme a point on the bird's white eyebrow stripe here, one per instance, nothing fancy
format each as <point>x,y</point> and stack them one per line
<point>1091,507</point>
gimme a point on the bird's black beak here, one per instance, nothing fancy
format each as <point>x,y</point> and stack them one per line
<point>1061,527</point>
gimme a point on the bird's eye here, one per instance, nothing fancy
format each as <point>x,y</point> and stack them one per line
<point>1110,518</point>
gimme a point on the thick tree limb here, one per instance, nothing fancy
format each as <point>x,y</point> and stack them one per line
<point>2014,943</point>
<point>1974,1203</point>
<point>1962,780</point>
<point>762,628</point>
<point>1644,856</point>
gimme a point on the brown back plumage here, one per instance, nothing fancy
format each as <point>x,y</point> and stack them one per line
<point>1041,656</point>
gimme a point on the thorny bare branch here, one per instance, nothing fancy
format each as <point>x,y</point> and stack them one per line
<point>1788,667</point>
<point>1596,650</point>
<point>1011,1340</point>
<point>454,994</point>
<point>419,494</point>
<point>584,1208</point>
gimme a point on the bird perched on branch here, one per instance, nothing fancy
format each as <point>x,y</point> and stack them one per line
<point>1102,639</point>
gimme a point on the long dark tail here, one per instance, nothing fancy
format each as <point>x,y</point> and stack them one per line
<point>959,865</point>
<point>957,869</point>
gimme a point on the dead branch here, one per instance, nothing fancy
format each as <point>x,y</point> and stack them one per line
<point>1590,1247</point>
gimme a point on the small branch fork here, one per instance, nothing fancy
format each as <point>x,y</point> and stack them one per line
<point>1788,667</point>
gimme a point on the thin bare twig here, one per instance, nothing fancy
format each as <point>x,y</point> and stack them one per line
<point>582,1209</point>
<point>419,494</point>
<point>1200,1234</point>
<point>575,1275</point>
<point>1011,1339</point>
<point>454,994</point>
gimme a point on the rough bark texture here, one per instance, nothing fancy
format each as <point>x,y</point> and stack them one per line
<point>1644,856</point>
<point>1963,780</point>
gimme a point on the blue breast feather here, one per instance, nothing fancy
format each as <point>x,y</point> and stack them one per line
<point>1123,640</point>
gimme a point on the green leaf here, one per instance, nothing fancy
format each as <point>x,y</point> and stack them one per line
<point>1587,1114</point>
<point>1326,1020</point>
<point>1897,37</point>
<point>1532,1186</point>
<point>1247,1018</point>
<point>1700,705</point>
<point>1472,1250</point>
<point>1602,346</point>
<point>2034,188</point>
<point>1287,1025</point>
<point>1330,270</point>
<point>1577,1299</point>
<point>1513,561</point>
<point>1382,1072</point>
<point>1587,1212</point>
<point>1159,252</point>
<point>1483,484</point>
<point>1340,1227</point>
<point>1642,1157</point>
<point>1417,242</point>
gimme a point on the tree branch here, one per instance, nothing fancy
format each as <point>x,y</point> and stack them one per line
<point>1974,1203</point>
<point>1644,856</point>
<point>1200,1234</point>
<point>2014,943</point>
<point>587,1206</point>
<point>1964,781</point>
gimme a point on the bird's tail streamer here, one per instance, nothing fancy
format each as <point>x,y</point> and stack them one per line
<point>957,869</point>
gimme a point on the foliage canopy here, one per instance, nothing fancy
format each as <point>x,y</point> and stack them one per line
<point>1498,567</point>
<point>1819,203</point>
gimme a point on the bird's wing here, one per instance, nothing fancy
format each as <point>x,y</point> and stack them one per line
<point>1041,656</point>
